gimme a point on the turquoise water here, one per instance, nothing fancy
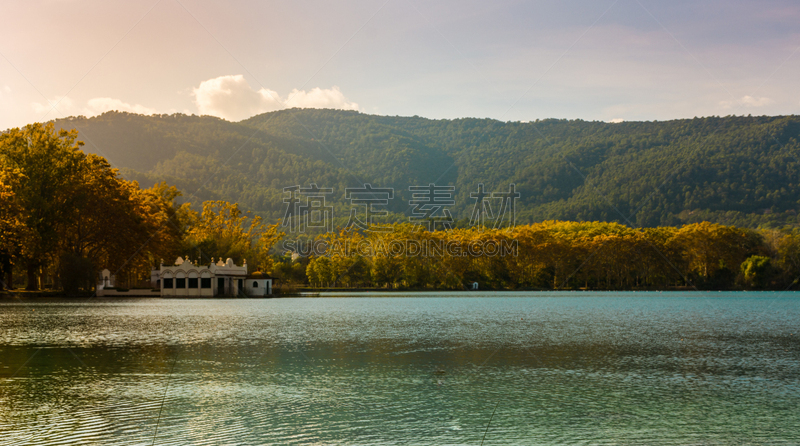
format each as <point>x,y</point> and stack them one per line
<point>382,369</point>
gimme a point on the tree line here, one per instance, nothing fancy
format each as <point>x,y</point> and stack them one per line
<point>554,255</point>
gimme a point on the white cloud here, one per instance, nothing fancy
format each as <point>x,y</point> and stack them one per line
<point>67,107</point>
<point>747,101</point>
<point>616,120</point>
<point>98,106</point>
<point>319,98</point>
<point>231,97</point>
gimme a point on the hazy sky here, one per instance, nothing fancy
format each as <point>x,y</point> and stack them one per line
<point>508,60</point>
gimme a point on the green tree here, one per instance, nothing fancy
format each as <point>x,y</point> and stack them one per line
<point>757,271</point>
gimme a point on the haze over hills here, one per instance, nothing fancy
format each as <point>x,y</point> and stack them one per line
<point>734,170</point>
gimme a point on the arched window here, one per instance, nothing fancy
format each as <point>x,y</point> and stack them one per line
<point>192,279</point>
<point>180,279</point>
<point>205,279</point>
<point>255,284</point>
<point>168,281</point>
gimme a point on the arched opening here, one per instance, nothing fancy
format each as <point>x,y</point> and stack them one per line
<point>193,282</point>
<point>167,282</point>
<point>205,280</point>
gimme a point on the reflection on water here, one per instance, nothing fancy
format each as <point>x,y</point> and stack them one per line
<point>566,368</point>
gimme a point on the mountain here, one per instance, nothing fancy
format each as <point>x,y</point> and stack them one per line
<point>733,170</point>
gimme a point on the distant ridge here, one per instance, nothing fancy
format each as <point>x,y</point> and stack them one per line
<point>733,170</point>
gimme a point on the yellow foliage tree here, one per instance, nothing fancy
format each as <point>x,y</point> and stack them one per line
<point>12,228</point>
<point>77,211</point>
<point>223,230</point>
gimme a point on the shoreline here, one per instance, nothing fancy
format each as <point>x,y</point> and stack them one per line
<point>317,292</point>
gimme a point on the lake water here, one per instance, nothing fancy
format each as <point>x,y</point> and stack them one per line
<point>390,369</point>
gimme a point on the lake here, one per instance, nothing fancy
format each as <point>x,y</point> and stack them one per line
<point>535,368</point>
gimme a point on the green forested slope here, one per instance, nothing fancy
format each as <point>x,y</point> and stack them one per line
<point>731,170</point>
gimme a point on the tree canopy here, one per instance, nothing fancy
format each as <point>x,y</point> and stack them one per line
<point>558,255</point>
<point>222,229</point>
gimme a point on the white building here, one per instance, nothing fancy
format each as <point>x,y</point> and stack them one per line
<point>189,279</point>
<point>258,285</point>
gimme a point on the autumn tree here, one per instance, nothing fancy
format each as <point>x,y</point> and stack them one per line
<point>787,255</point>
<point>554,254</point>
<point>224,230</point>
<point>169,221</point>
<point>105,226</point>
<point>49,161</point>
<point>77,213</point>
<point>710,248</point>
<point>12,228</point>
<point>117,225</point>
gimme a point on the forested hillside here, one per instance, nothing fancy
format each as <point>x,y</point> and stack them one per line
<point>740,171</point>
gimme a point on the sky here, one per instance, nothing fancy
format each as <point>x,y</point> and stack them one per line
<point>607,60</point>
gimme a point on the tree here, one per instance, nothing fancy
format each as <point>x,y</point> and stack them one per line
<point>77,213</point>
<point>710,248</point>
<point>106,223</point>
<point>756,271</point>
<point>223,230</point>
<point>76,273</point>
<point>788,257</point>
<point>117,225</point>
<point>49,161</point>
<point>168,222</point>
<point>12,228</point>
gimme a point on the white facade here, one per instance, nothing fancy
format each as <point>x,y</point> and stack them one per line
<point>217,279</point>
<point>258,287</point>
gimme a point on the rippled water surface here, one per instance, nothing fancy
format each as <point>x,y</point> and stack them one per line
<point>381,369</point>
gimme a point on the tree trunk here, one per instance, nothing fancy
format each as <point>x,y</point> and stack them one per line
<point>5,271</point>
<point>33,283</point>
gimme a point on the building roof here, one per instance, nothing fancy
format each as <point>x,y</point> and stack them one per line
<point>259,275</point>
<point>218,269</point>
